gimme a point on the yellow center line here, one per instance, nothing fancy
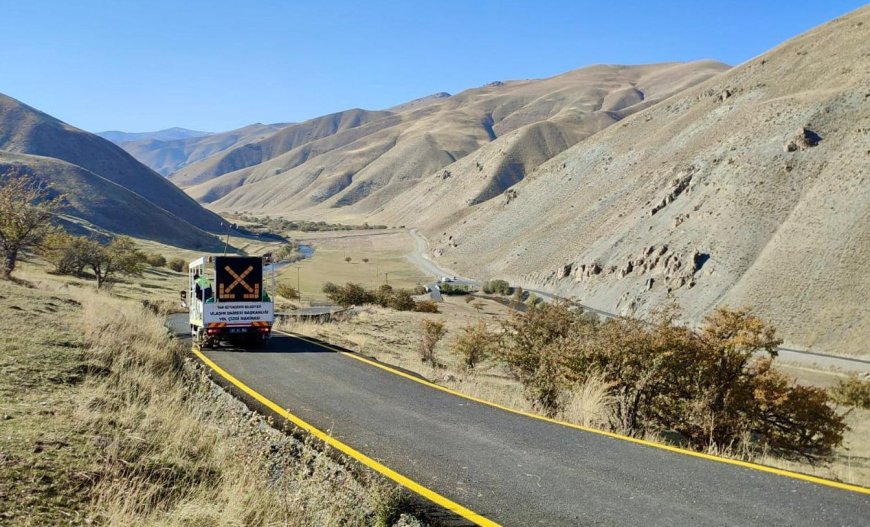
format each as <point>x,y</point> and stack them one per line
<point>408,483</point>
<point>660,446</point>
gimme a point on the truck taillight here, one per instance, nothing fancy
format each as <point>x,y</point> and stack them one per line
<point>264,329</point>
<point>213,331</point>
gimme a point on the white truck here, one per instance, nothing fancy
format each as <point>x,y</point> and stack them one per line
<point>229,300</point>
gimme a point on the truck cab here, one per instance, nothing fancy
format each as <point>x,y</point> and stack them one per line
<point>229,301</point>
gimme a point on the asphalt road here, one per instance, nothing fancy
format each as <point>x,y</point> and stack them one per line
<point>804,358</point>
<point>517,470</point>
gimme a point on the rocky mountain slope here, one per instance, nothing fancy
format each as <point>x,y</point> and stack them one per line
<point>359,162</point>
<point>166,156</point>
<point>169,134</point>
<point>104,184</point>
<point>749,189</point>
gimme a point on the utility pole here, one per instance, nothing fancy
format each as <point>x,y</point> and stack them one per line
<point>298,284</point>
<point>387,278</point>
<point>227,243</point>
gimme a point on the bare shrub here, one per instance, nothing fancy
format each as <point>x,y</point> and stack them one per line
<point>156,260</point>
<point>432,332</point>
<point>178,265</point>
<point>474,344</point>
<point>853,391</point>
<point>287,291</point>
<point>426,306</point>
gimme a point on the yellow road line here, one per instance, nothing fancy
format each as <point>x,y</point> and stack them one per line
<point>692,453</point>
<point>408,483</point>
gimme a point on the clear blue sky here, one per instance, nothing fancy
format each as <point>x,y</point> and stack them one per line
<point>216,65</point>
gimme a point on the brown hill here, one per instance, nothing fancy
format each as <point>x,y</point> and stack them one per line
<point>168,156</point>
<point>257,152</point>
<point>104,184</point>
<point>107,205</point>
<point>751,188</point>
<point>26,130</point>
<point>349,170</point>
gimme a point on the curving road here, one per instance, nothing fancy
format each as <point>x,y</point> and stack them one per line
<point>517,470</point>
<point>810,359</point>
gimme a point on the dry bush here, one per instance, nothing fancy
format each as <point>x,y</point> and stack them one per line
<point>287,291</point>
<point>474,344</point>
<point>156,260</point>
<point>854,391</point>
<point>426,306</point>
<point>178,265</point>
<point>432,331</point>
<point>708,386</point>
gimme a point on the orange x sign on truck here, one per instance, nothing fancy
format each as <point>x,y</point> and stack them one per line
<point>253,292</point>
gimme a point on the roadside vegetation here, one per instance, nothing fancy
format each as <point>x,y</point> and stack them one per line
<point>352,294</point>
<point>852,391</point>
<point>705,386</point>
<point>280,225</point>
<point>106,421</point>
<point>704,390</point>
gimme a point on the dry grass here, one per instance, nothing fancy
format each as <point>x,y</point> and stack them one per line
<point>385,249</point>
<point>110,423</point>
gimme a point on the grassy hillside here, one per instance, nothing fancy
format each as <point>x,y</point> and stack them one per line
<point>108,205</point>
<point>750,188</point>
<point>25,130</point>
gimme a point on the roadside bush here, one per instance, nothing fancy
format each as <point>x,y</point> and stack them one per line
<point>474,344</point>
<point>287,291</point>
<point>420,290</point>
<point>432,331</point>
<point>67,253</point>
<point>454,290</point>
<point>384,296</point>
<point>426,306</point>
<point>708,385</point>
<point>156,260</point>
<point>178,265</point>
<point>348,295</point>
<point>853,391</point>
<point>500,287</point>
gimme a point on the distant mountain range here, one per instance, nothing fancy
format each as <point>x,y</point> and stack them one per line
<point>104,185</point>
<point>170,134</point>
<point>170,155</point>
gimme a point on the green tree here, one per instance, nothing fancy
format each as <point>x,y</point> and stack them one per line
<point>67,253</point>
<point>119,257</point>
<point>26,210</point>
